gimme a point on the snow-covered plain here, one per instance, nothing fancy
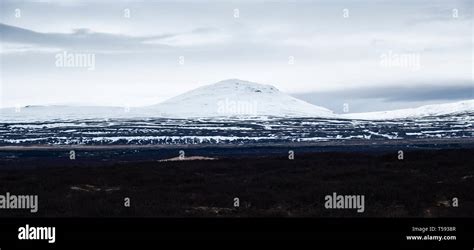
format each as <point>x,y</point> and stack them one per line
<point>162,131</point>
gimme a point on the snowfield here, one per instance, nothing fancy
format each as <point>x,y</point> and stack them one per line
<point>166,131</point>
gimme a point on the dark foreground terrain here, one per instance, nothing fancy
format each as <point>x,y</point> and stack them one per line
<point>423,184</point>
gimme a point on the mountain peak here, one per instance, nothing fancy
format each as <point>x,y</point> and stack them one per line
<point>242,85</point>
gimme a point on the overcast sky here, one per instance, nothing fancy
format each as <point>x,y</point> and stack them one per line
<point>325,52</point>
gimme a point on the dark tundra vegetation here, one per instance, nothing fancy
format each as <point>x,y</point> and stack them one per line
<point>423,184</point>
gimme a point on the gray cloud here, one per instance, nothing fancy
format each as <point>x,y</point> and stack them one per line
<point>86,39</point>
<point>390,97</point>
<point>441,12</point>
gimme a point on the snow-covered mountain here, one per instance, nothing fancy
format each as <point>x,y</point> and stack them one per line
<point>229,98</point>
<point>235,97</point>
<point>245,112</point>
<point>423,111</point>
<point>225,99</point>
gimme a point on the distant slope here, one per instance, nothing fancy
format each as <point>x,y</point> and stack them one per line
<point>60,112</point>
<point>423,111</point>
